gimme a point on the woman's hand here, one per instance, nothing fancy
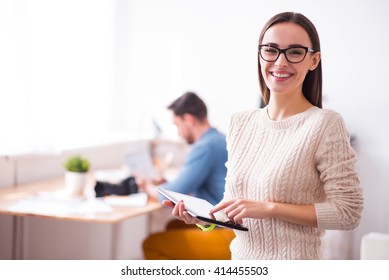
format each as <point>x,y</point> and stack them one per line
<point>180,213</point>
<point>238,209</point>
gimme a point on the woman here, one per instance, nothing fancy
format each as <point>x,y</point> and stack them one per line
<point>290,165</point>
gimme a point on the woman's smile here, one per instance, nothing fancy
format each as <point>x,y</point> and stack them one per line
<point>281,75</point>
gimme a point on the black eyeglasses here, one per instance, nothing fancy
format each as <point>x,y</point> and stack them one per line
<point>293,54</point>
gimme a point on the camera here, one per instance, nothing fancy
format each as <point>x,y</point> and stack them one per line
<point>125,187</point>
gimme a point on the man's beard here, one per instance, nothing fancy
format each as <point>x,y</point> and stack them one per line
<point>189,140</point>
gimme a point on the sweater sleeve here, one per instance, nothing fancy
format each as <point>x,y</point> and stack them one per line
<point>335,160</point>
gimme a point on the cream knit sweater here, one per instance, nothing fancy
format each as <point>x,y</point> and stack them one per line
<point>304,159</point>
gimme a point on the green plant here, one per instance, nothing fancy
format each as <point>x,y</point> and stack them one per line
<point>77,164</point>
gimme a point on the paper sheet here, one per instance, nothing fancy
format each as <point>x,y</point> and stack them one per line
<point>51,206</point>
<point>136,199</point>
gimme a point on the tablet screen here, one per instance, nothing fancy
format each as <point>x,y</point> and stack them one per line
<point>200,209</point>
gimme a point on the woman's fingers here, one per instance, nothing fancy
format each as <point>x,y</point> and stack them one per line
<point>234,209</point>
<point>184,215</point>
<point>180,213</point>
<point>226,206</point>
<point>239,209</point>
<point>237,216</point>
<point>168,203</point>
<point>181,209</point>
<point>176,211</point>
<point>221,206</point>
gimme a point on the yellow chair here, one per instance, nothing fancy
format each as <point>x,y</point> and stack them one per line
<point>187,242</point>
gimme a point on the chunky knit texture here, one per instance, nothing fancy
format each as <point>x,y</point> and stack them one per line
<point>304,159</point>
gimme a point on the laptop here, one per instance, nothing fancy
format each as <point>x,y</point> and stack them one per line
<point>141,164</point>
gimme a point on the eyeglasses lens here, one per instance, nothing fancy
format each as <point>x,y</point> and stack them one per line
<point>294,55</point>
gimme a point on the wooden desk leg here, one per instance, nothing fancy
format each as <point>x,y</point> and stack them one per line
<point>14,237</point>
<point>114,241</point>
<point>18,238</point>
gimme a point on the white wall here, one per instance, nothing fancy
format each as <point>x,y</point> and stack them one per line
<point>56,69</point>
<point>6,172</point>
<point>210,47</point>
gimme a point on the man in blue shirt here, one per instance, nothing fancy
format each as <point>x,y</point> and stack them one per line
<point>202,174</point>
<point>204,171</point>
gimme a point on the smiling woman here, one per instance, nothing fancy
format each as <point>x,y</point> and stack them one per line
<point>291,170</point>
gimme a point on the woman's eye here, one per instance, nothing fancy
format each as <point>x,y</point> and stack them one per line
<point>270,51</point>
<point>295,52</point>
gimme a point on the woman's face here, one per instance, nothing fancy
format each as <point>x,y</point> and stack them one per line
<point>281,76</point>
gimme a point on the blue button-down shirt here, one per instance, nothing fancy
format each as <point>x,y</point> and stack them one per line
<point>204,171</point>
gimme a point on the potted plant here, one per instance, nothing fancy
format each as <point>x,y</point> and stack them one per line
<point>75,177</point>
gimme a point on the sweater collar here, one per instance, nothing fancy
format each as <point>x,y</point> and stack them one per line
<point>288,122</point>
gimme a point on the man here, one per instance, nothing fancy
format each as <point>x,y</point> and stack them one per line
<point>202,175</point>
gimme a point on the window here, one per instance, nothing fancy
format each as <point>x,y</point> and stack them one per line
<point>56,73</point>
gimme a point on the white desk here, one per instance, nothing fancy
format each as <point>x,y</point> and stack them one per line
<point>117,234</point>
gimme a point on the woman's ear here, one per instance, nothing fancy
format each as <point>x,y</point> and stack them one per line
<point>315,61</point>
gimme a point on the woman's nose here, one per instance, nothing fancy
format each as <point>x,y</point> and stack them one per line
<point>281,60</point>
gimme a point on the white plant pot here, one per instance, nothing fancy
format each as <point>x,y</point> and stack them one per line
<point>75,183</point>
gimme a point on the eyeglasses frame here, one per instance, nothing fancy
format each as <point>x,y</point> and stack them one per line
<point>280,51</point>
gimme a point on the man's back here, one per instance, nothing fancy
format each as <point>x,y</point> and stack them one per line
<point>204,171</point>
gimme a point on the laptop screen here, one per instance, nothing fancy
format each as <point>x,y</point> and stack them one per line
<point>141,164</point>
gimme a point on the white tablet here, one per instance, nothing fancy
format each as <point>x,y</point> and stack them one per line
<point>200,209</point>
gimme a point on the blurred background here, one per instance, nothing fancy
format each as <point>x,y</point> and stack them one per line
<point>78,73</point>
